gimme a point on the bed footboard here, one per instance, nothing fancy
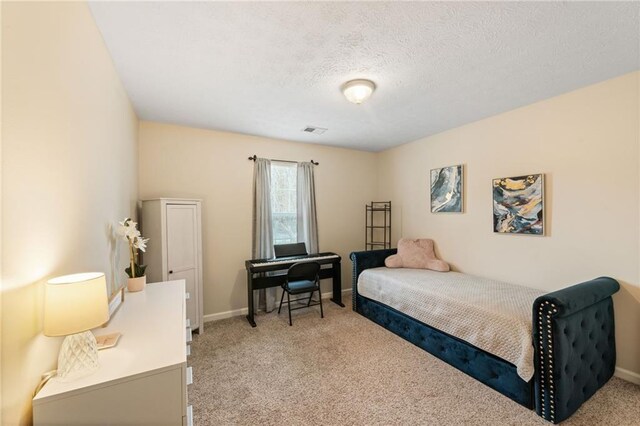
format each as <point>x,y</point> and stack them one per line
<point>364,260</point>
<point>574,339</point>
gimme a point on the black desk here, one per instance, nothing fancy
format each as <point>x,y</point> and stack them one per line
<point>256,279</point>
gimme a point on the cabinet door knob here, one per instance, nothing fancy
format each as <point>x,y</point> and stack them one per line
<point>171,272</point>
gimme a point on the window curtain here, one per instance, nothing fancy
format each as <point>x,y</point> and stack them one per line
<point>262,245</point>
<point>307,216</point>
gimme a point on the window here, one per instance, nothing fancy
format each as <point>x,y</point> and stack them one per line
<point>284,202</point>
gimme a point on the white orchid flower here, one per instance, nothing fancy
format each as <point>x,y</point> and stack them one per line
<point>127,229</point>
<point>132,233</point>
<point>141,243</point>
<point>124,227</point>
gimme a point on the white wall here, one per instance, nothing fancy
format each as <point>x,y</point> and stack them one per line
<point>193,163</point>
<point>69,159</point>
<point>586,144</point>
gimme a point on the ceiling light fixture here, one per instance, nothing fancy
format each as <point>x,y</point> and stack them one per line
<point>358,91</point>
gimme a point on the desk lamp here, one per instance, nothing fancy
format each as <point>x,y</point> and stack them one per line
<point>74,304</point>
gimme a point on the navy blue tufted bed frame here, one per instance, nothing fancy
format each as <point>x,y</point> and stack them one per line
<point>573,337</point>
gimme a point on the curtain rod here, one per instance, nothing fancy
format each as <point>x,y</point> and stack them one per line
<point>254,158</point>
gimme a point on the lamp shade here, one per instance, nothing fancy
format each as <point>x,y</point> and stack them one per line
<point>75,303</point>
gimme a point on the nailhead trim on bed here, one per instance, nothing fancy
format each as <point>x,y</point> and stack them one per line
<point>354,291</point>
<point>546,310</point>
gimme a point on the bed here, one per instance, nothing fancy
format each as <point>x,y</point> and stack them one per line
<point>569,343</point>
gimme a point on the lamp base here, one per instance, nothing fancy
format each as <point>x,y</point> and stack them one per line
<point>78,356</point>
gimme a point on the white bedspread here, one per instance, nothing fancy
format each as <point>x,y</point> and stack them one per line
<point>491,315</point>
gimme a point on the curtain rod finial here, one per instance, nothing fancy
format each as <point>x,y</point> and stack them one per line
<point>253,158</point>
<point>315,163</point>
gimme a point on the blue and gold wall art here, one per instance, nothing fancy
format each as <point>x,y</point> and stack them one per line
<point>446,189</point>
<point>518,205</point>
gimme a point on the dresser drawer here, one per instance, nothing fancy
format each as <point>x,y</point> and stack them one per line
<point>155,399</point>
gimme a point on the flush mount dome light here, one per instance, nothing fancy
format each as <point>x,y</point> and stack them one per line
<point>358,91</point>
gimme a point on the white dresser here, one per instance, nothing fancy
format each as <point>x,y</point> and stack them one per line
<point>141,381</point>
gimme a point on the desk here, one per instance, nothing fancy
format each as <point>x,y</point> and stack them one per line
<point>257,280</point>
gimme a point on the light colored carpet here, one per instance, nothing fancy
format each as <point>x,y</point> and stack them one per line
<point>346,370</point>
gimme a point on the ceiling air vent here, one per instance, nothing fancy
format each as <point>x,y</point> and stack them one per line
<point>314,130</point>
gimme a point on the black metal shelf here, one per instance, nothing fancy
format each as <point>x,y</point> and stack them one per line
<point>377,216</point>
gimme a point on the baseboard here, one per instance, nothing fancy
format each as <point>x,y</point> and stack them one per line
<point>329,294</point>
<point>243,311</point>
<point>224,315</point>
<point>627,375</point>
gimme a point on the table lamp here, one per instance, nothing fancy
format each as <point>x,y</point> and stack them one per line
<point>74,304</point>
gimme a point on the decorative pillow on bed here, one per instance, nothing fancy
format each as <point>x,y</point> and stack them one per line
<point>417,254</point>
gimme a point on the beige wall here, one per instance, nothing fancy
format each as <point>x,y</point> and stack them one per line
<point>69,160</point>
<point>1,405</point>
<point>185,162</point>
<point>586,144</point>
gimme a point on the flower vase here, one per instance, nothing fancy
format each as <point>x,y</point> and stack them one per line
<point>136,284</point>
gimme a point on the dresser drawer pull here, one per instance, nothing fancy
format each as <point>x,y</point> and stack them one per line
<point>189,375</point>
<point>188,350</point>
<point>189,415</point>
<point>189,338</point>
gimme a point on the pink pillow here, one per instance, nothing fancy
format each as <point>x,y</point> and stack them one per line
<point>418,254</point>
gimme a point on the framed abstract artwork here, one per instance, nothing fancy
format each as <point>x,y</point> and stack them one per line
<point>518,205</point>
<point>446,189</point>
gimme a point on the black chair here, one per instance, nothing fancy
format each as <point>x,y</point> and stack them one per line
<point>302,277</point>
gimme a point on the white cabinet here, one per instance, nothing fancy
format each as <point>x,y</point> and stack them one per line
<point>174,251</point>
<point>142,380</point>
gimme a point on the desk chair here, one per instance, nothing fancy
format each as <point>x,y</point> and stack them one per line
<point>302,277</point>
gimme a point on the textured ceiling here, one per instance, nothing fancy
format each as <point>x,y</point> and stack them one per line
<point>270,69</point>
